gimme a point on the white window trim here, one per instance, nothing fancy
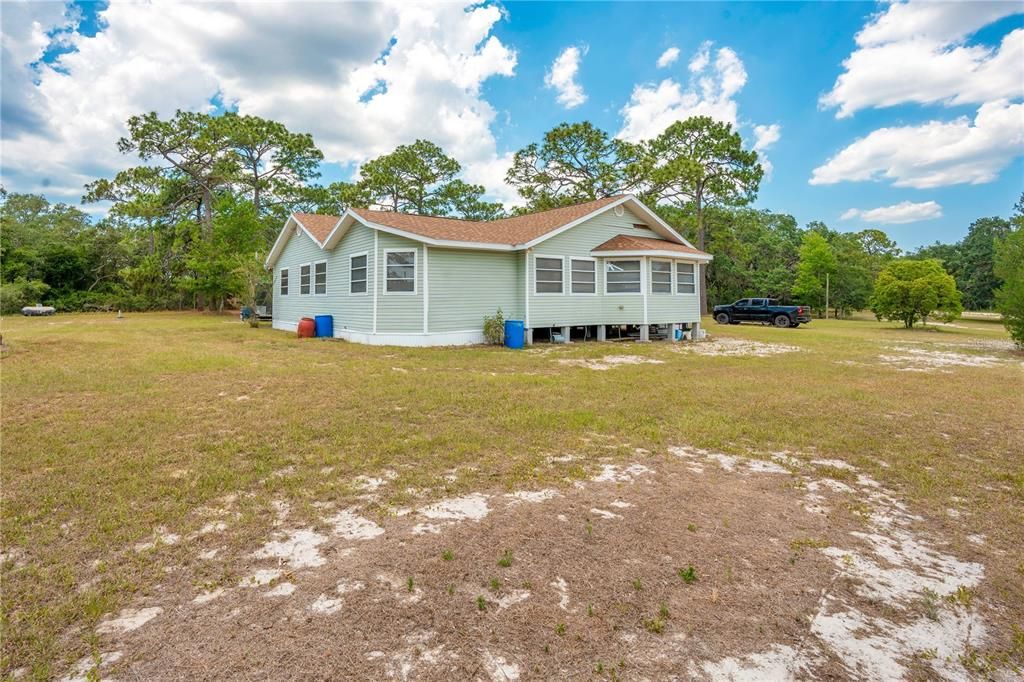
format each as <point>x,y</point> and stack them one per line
<point>312,276</point>
<point>675,278</point>
<point>624,293</point>
<point>310,266</point>
<point>547,293</point>
<point>366,281</point>
<point>415,272</point>
<point>597,272</point>
<point>280,276</point>
<point>671,277</point>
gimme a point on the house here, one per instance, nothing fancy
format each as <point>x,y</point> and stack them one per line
<point>395,278</point>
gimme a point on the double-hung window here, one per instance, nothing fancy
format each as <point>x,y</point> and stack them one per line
<point>304,280</point>
<point>622,277</point>
<point>584,276</point>
<point>686,279</point>
<point>661,277</point>
<point>357,274</point>
<point>400,272</point>
<point>284,281</point>
<point>320,278</point>
<point>549,275</point>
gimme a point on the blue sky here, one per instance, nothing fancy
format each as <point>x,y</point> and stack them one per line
<point>919,132</point>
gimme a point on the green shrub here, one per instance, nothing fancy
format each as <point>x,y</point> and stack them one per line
<point>494,328</point>
<point>20,293</point>
<point>914,290</point>
<point>1010,268</point>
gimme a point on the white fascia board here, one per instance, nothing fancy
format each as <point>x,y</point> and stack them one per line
<point>675,255</point>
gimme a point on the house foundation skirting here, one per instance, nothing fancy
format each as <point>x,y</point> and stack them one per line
<point>456,338</point>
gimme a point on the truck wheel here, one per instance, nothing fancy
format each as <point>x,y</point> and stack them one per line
<point>722,318</point>
<point>782,321</point>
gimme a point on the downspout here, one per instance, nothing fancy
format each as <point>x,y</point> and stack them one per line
<point>526,288</point>
<point>426,291</point>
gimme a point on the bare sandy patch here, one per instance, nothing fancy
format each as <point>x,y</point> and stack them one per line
<point>128,620</point>
<point>730,347</point>
<point>910,359</point>
<point>297,549</point>
<point>610,361</point>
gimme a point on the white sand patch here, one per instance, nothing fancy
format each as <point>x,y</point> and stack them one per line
<point>834,463</point>
<point>604,514</point>
<point>263,576</point>
<point>209,554</point>
<point>562,588</point>
<point>347,586</point>
<point>865,481</point>
<point>735,347</point>
<point>404,663</point>
<point>281,511</point>
<point>372,484</point>
<point>695,468</point>
<point>281,590</point>
<point>786,459</point>
<point>930,360</point>
<point>831,484</point>
<point>498,669</point>
<point>424,528</point>
<point>779,663</point>
<point>401,370</point>
<point>532,495</point>
<point>620,504</point>
<point>610,361</point>
<point>208,596</point>
<point>160,537</point>
<point>954,513</point>
<point>513,598</point>
<point>760,466</point>
<point>977,539</point>
<point>561,459</point>
<point>471,507</point>
<point>325,605</point>
<point>298,549</point>
<point>128,620</point>
<point>611,473</point>
<point>351,526</point>
<point>213,527</point>
<point>80,671</point>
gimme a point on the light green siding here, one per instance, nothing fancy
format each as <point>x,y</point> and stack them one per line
<point>399,312</point>
<point>566,309</point>
<point>466,285</point>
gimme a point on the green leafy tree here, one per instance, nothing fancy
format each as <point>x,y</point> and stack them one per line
<point>817,262</point>
<point>1009,267</point>
<point>914,290</point>
<point>701,163</point>
<point>575,162</point>
<point>977,279</point>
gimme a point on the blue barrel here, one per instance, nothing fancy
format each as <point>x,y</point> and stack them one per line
<point>515,333</point>
<point>324,325</point>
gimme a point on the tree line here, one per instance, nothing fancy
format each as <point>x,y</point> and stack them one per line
<point>189,226</point>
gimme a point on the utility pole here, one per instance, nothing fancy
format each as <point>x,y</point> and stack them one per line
<point>826,295</point>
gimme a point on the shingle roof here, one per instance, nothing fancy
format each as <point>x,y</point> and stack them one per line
<point>318,224</point>
<point>511,231</point>
<point>626,242</point>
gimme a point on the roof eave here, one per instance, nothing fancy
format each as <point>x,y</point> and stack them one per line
<point>636,253</point>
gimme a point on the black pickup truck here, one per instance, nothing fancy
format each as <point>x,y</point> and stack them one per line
<point>763,310</point>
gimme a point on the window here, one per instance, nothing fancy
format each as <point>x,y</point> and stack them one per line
<point>400,272</point>
<point>284,281</point>
<point>622,277</point>
<point>661,277</point>
<point>757,303</point>
<point>549,275</point>
<point>686,282</point>
<point>584,276</point>
<point>304,280</point>
<point>357,274</point>
<point>320,278</point>
<point>742,303</point>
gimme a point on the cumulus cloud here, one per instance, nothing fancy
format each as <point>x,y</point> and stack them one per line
<point>715,78</point>
<point>934,154</point>
<point>561,77</point>
<point>897,214</point>
<point>766,136</point>
<point>916,52</point>
<point>361,78</point>
<point>668,57</point>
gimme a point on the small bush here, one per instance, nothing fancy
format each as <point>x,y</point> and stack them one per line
<point>20,293</point>
<point>494,328</point>
<point>688,574</point>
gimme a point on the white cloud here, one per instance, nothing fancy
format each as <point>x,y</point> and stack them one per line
<point>668,57</point>
<point>897,214</point>
<point>561,77</point>
<point>714,81</point>
<point>934,154</point>
<point>766,136</point>
<point>310,66</point>
<point>916,52</point>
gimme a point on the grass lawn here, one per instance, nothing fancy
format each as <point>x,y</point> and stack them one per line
<point>116,430</point>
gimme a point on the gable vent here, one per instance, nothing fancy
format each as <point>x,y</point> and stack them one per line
<point>619,211</point>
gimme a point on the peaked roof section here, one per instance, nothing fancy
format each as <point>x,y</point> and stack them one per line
<point>511,231</point>
<point>318,225</point>
<point>627,242</point>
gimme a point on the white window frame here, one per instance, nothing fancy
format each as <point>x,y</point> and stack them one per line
<point>282,275</point>
<point>588,259</point>
<point>548,293</point>
<point>671,276</point>
<point>313,277</point>
<point>415,272</point>
<point>639,292</point>
<point>309,282</point>
<point>693,274</point>
<point>366,273</point>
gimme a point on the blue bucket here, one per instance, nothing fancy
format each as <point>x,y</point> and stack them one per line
<point>324,325</point>
<point>515,333</point>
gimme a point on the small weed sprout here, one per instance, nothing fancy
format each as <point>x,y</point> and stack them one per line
<point>495,584</point>
<point>688,574</point>
<point>655,625</point>
<point>560,629</point>
<point>599,668</point>
<point>447,555</point>
<point>409,584</point>
<point>590,610</point>
<point>663,611</point>
<point>481,603</point>
<point>692,527</point>
<point>963,596</point>
<point>637,585</point>
<point>506,559</point>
